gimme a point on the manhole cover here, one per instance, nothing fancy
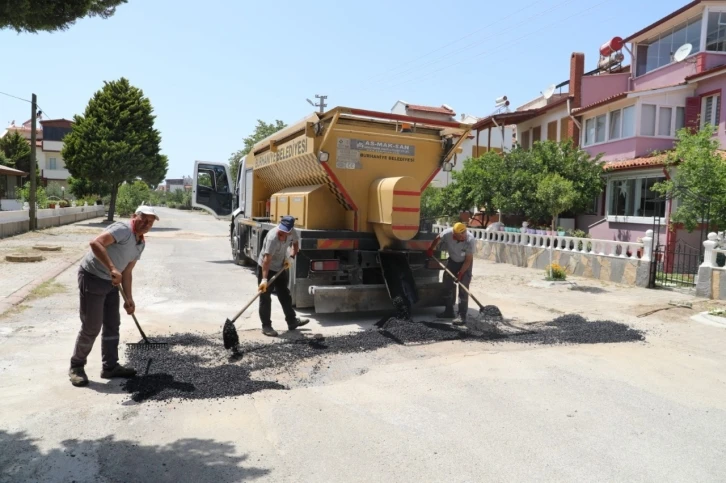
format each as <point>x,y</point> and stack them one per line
<point>24,258</point>
<point>47,248</point>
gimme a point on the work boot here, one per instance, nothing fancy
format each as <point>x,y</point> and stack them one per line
<point>446,314</point>
<point>459,320</point>
<point>78,376</point>
<point>298,323</point>
<point>118,371</point>
<point>269,331</point>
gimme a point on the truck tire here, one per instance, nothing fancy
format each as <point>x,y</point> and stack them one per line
<point>238,242</point>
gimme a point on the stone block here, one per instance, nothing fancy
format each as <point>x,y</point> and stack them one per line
<point>705,286</point>
<point>617,270</point>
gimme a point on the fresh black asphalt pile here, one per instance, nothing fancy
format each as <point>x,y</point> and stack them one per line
<point>198,367</point>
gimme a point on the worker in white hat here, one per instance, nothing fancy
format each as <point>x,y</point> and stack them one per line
<point>107,265</point>
<point>460,244</point>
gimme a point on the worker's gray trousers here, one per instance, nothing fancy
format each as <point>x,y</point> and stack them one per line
<point>450,288</point>
<point>99,309</point>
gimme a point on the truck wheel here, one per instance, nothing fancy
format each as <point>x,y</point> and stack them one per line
<point>238,255</point>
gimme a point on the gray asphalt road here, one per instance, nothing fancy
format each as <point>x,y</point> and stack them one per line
<point>454,412</point>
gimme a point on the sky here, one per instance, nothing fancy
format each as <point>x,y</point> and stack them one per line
<point>212,68</point>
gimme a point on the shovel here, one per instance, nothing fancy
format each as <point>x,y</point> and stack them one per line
<point>488,312</point>
<point>146,344</point>
<point>229,333</point>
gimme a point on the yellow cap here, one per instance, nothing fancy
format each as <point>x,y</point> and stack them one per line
<point>459,228</point>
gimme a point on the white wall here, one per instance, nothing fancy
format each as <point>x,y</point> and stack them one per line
<point>542,121</point>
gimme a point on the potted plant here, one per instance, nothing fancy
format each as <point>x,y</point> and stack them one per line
<point>560,231</point>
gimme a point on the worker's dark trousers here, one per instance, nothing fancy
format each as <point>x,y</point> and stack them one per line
<point>450,288</point>
<point>283,295</point>
<point>99,310</point>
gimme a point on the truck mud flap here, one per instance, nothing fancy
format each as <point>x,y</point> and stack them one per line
<point>398,277</point>
<point>369,298</point>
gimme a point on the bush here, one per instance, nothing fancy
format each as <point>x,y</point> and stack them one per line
<point>130,196</point>
<point>580,234</point>
<point>556,272</point>
<point>64,203</point>
<point>41,197</point>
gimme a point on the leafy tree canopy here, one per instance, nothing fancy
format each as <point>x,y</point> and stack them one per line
<point>262,130</point>
<point>51,15</point>
<point>699,182</point>
<point>115,141</point>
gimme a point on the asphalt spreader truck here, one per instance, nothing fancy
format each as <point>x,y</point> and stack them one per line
<point>352,179</point>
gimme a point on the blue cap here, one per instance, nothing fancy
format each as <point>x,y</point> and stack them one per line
<point>287,224</point>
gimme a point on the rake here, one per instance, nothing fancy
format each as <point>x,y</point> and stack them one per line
<point>229,332</point>
<point>147,344</point>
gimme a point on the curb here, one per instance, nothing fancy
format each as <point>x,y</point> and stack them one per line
<point>22,293</point>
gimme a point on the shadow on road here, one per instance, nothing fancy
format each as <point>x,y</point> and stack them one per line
<point>161,230</point>
<point>109,459</point>
<point>592,290</point>
<point>221,262</point>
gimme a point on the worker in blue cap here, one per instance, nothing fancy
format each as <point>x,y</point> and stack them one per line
<point>273,259</point>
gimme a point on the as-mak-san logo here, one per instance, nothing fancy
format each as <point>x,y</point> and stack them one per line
<point>383,147</point>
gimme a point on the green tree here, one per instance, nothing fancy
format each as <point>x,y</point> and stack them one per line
<point>556,195</point>
<point>51,15</point>
<point>262,130</point>
<point>699,183</point>
<point>131,195</point>
<point>41,198</point>
<point>115,140</point>
<point>82,188</point>
<point>16,150</point>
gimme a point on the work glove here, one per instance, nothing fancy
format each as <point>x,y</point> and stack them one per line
<point>263,286</point>
<point>287,264</point>
<point>460,275</point>
<point>430,253</point>
<point>115,278</point>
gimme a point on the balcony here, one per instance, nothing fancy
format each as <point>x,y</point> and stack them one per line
<point>55,174</point>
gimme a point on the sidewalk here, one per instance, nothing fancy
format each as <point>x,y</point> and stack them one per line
<point>18,280</point>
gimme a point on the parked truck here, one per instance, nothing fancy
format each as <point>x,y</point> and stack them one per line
<point>352,179</point>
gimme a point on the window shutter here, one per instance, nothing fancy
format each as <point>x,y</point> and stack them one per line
<point>564,128</point>
<point>552,131</point>
<point>693,113</point>
<point>536,134</point>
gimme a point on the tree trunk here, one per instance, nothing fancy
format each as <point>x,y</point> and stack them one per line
<point>112,205</point>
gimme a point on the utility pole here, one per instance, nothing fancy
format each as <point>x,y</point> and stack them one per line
<point>33,187</point>
<point>321,105</point>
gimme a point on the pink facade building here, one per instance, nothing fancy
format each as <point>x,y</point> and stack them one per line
<point>627,113</point>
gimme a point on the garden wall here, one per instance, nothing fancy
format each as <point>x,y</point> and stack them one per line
<point>16,222</point>
<point>626,271</point>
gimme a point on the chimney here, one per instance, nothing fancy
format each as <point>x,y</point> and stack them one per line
<point>577,72</point>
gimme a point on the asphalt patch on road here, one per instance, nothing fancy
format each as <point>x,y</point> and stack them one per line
<point>198,367</point>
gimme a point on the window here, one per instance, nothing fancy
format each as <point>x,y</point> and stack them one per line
<point>600,128</point>
<point>665,118</point>
<point>552,131</point>
<point>590,131</point>
<point>658,51</point>
<point>52,163</point>
<point>536,134</point>
<point>629,122</point>
<point>635,197</point>
<point>716,32</point>
<point>647,120</point>
<point>711,110</point>
<point>680,118</point>
<point>615,124</point>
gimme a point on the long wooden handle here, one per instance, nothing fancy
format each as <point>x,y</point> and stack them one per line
<point>123,294</point>
<point>461,285</point>
<point>269,282</point>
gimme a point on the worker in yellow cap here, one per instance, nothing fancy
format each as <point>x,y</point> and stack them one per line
<point>460,245</point>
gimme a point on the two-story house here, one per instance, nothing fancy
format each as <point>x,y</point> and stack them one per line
<point>48,144</point>
<point>496,140</point>
<point>627,113</point>
<point>663,93</point>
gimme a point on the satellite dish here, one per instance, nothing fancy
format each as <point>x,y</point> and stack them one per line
<point>549,92</point>
<point>683,52</point>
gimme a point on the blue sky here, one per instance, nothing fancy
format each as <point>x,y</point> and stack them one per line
<point>211,69</point>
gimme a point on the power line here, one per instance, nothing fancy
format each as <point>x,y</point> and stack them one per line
<point>454,41</point>
<point>43,111</point>
<point>480,41</point>
<point>483,53</point>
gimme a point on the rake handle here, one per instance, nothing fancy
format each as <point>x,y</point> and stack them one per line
<point>121,289</point>
<point>269,282</point>
<point>461,285</point>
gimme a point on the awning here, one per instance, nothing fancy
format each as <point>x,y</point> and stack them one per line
<point>4,170</point>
